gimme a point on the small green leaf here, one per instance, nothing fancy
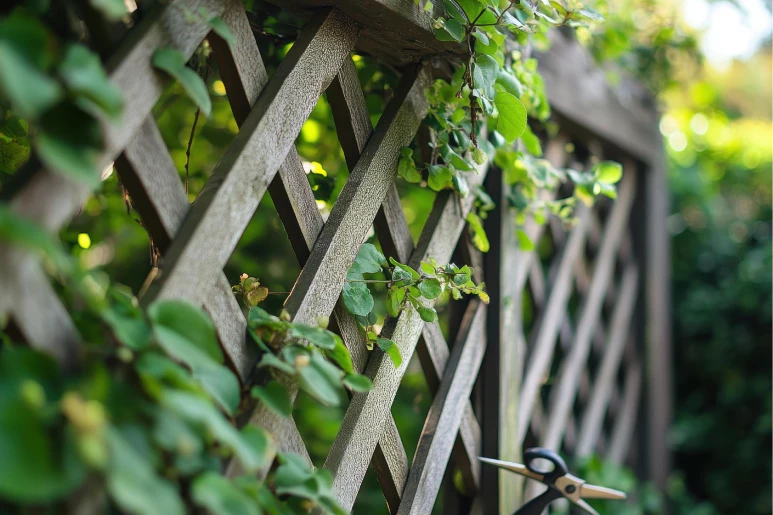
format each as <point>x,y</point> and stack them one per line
<point>391,349</point>
<point>270,360</point>
<point>358,383</point>
<point>413,273</point>
<point>83,73</point>
<point>512,116</point>
<point>450,30</point>
<point>427,314</point>
<point>173,62</point>
<point>357,298</point>
<point>608,172</point>
<point>113,10</point>
<point>275,396</point>
<point>510,83</point>
<point>223,30</point>
<point>321,379</point>
<point>320,337</point>
<point>340,354</point>
<point>430,288</point>
<point>217,494</point>
<point>486,72</point>
<point>406,167</point>
<point>177,319</point>
<point>439,177</point>
<point>30,90</point>
<point>394,300</point>
<point>524,242</point>
<point>479,236</point>
<point>369,259</point>
<point>531,142</point>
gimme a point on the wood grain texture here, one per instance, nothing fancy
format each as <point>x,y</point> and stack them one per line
<point>567,382</point>
<point>231,195</point>
<point>622,432</point>
<point>354,130</point>
<point>619,334</point>
<point>550,323</point>
<point>244,75</point>
<point>348,458</point>
<point>446,413</point>
<point>149,175</point>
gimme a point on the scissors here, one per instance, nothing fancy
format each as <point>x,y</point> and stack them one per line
<point>556,476</point>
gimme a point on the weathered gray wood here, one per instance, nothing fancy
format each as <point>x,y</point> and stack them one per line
<point>446,413</point>
<point>625,424</point>
<point>593,418</point>
<point>50,199</point>
<point>574,363</point>
<point>149,175</point>
<point>36,309</point>
<point>356,441</point>
<point>550,323</point>
<point>657,343</point>
<point>244,75</point>
<point>241,177</point>
<point>354,129</point>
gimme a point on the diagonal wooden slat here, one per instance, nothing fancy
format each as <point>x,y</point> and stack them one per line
<point>356,441</point>
<point>244,75</point>
<point>148,173</point>
<point>575,361</point>
<point>354,129</point>
<point>229,199</point>
<point>446,413</point>
<point>626,420</point>
<point>549,324</point>
<point>593,417</point>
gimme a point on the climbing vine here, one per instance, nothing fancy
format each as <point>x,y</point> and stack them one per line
<point>147,418</point>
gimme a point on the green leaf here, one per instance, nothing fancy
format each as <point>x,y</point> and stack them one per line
<point>524,242</point>
<point>173,62</point>
<point>485,72</point>
<point>369,259</point>
<point>461,185</point>
<point>531,142</point>
<point>357,298</point>
<point>358,383</point>
<point>510,83</point>
<point>450,30</point>
<point>270,360</point>
<point>413,273</point>
<point>391,349</point>
<point>217,494</point>
<point>394,300</point>
<point>340,354</point>
<point>316,335</point>
<point>406,167</point>
<point>427,314</point>
<point>512,116</point>
<point>30,90</point>
<point>250,446</point>
<point>177,319</point>
<point>13,155</point>
<point>133,483</point>
<point>608,172</point>
<point>68,152</point>
<point>113,10</point>
<point>131,331</point>
<point>82,71</point>
<point>321,379</point>
<point>275,396</point>
<point>439,177</point>
<point>222,29</point>
<point>479,236</point>
<point>187,334</point>
<point>430,288</point>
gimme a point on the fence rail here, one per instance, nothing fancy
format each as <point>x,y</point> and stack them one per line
<point>571,378</point>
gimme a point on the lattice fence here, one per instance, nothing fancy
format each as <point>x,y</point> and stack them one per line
<point>573,332</point>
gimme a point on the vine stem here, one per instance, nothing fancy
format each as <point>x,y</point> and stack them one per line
<point>193,128</point>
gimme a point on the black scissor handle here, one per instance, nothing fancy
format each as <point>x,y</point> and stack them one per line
<point>559,465</point>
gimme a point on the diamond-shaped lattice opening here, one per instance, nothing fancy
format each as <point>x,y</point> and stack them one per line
<point>318,424</point>
<point>369,499</point>
<point>378,83</point>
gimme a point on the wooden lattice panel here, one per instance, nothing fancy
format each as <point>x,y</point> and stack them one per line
<point>197,239</point>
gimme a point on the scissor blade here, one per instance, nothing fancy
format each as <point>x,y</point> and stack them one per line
<point>599,492</point>
<point>585,506</point>
<point>513,467</point>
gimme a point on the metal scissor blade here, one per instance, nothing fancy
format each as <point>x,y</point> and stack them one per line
<point>513,467</point>
<point>599,492</point>
<point>585,506</point>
